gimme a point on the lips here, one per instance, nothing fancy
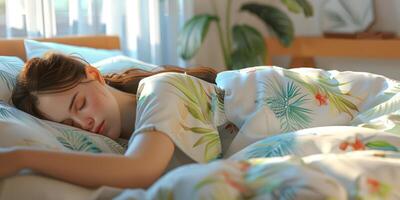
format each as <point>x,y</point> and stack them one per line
<point>100,128</point>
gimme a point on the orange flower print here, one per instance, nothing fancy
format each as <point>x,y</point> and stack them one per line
<point>233,183</point>
<point>244,166</point>
<point>343,146</point>
<point>356,145</point>
<point>378,189</point>
<point>321,98</point>
<point>373,185</point>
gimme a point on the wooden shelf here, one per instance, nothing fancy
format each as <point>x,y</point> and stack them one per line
<point>309,47</point>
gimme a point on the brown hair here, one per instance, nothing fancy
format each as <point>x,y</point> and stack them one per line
<point>57,72</point>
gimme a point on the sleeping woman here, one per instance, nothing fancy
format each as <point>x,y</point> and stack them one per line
<point>175,116</point>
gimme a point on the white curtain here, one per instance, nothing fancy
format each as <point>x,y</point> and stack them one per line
<point>148,29</point>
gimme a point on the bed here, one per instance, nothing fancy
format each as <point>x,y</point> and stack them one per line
<point>28,185</point>
<point>318,163</point>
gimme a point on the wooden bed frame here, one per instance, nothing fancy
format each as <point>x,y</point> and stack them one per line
<point>304,49</point>
<point>15,47</point>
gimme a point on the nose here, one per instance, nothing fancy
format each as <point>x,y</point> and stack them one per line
<point>85,123</point>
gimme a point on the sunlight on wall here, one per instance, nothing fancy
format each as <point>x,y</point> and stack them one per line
<point>154,21</point>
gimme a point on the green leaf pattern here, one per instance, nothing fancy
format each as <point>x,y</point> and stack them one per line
<point>275,146</point>
<point>324,85</point>
<point>76,141</point>
<point>8,79</point>
<point>287,103</point>
<point>198,102</point>
<point>381,145</point>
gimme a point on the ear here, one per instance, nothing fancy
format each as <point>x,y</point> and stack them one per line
<point>94,74</point>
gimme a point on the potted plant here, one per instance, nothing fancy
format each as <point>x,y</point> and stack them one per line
<point>241,44</point>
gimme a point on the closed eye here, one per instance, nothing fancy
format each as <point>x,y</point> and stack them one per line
<point>68,122</point>
<point>83,104</point>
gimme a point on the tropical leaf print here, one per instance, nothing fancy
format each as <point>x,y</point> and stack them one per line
<point>371,188</point>
<point>395,89</point>
<point>13,66</point>
<point>218,100</point>
<point>381,145</point>
<point>275,146</point>
<point>165,194</point>
<point>5,114</point>
<point>388,107</point>
<point>228,181</point>
<point>210,138</point>
<point>32,142</point>
<point>287,103</point>
<point>197,100</point>
<point>77,142</point>
<point>366,143</point>
<point>8,79</point>
<point>258,177</point>
<point>114,146</point>
<point>198,103</point>
<point>325,90</point>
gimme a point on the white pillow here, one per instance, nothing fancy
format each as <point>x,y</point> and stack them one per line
<point>119,64</point>
<point>38,49</point>
<point>9,69</point>
<point>21,129</point>
<point>40,187</point>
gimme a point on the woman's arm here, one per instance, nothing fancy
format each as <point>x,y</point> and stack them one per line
<point>148,159</point>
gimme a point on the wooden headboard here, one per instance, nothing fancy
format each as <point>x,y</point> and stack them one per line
<point>15,47</point>
<point>304,49</point>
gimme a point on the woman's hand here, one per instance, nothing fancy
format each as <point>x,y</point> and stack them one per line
<point>10,161</point>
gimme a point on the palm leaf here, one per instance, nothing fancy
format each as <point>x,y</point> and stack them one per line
<point>204,139</point>
<point>286,103</point>
<point>198,130</point>
<point>327,86</point>
<point>77,142</point>
<point>115,147</point>
<point>381,145</point>
<point>210,138</point>
<point>198,102</point>
<point>220,97</point>
<point>388,107</point>
<point>204,182</point>
<point>12,65</point>
<point>5,114</point>
<point>195,112</point>
<point>8,78</point>
<point>211,149</point>
<point>202,97</point>
<point>275,146</point>
<point>165,194</point>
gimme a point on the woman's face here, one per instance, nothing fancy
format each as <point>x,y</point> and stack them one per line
<point>89,106</point>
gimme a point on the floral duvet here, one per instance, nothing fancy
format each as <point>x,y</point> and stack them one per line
<point>335,162</point>
<point>302,134</point>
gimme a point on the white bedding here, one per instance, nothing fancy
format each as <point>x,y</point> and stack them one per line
<point>330,162</point>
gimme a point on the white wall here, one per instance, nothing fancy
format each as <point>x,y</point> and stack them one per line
<point>387,19</point>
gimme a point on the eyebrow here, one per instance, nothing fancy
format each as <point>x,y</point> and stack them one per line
<point>72,101</point>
